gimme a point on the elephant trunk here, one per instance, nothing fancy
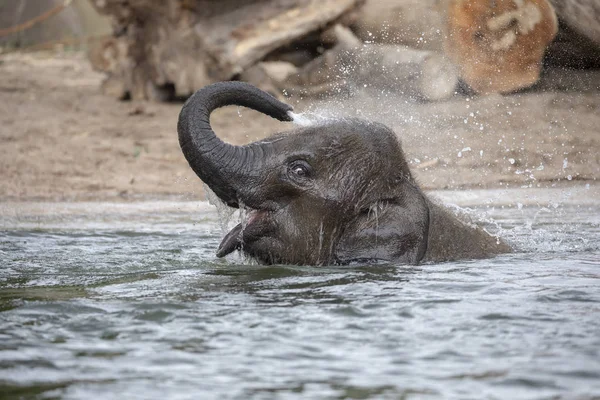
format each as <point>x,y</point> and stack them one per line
<point>223,167</point>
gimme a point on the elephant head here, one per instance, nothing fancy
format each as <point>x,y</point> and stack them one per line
<point>335,192</point>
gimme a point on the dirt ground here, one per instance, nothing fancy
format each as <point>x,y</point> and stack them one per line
<point>61,139</point>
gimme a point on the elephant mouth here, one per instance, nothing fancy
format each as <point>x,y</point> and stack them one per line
<point>256,224</point>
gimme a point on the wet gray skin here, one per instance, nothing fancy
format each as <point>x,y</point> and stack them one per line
<point>335,193</point>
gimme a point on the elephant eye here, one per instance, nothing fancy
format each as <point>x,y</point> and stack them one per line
<point>299,169</point>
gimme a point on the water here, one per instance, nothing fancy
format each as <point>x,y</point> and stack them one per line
<point>309,118</point>
<point>107,301</point>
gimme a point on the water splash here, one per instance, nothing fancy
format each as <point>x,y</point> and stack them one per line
<point>162,275</point>
<point>224,212</point>
<point>228,217</point>
<point>538,226</point>
<point>308,118</point>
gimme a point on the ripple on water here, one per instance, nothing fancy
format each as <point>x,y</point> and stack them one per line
<point>142,309</point>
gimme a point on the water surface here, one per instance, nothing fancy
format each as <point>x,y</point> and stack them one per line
<point>107,301</point>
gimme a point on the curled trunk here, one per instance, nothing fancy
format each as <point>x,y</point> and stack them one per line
<point>224,167</point>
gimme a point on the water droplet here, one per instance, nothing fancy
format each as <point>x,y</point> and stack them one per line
<point>307,119</point>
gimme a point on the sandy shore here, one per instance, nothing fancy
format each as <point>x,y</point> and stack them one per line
<point>63,140</point>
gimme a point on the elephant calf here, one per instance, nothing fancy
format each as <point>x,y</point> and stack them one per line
<point>332,193</point>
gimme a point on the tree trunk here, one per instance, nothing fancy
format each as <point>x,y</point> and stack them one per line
<point>173,47</point>
<point>499,46</point>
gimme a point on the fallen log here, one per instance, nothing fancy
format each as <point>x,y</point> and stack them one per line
<point>499,45</point>
<point>421,24</point>
<point>172,48</point>
<point>414,23</point>
<point>413,73</point>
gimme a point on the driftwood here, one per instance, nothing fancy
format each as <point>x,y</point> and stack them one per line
<point>415,23</point>
<point>418,74</point>
<point>494,46</point>
<point>421,23</point>
<point>426,24</point>
<point>499,46</point>
<point>420,48</point>
<point>174,47</point>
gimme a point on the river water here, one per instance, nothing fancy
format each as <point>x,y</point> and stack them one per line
<point>108,300</point>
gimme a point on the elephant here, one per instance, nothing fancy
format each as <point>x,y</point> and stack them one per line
<point>337,192</point>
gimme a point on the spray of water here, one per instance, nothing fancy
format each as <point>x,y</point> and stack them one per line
<point>227,220</point>
<point>308,118</point>
<point>223,211</point>
<point>533,222</point>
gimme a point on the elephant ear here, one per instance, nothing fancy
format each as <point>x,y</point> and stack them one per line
<point>390,230</point>
<point>451,238</point>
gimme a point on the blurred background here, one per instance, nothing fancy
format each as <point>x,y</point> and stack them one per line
<point>103,296</point>
<point>482,93</point>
